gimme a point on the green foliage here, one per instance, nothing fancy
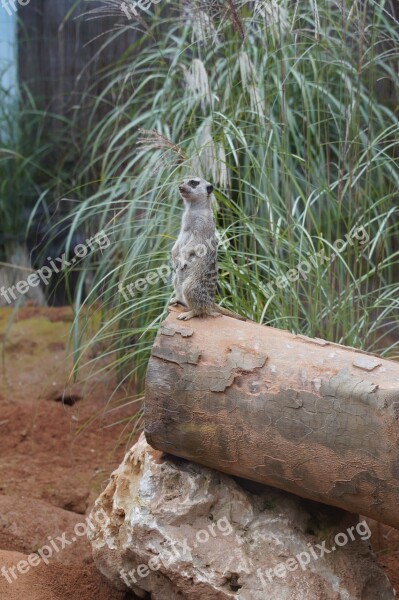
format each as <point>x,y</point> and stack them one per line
<point>274,102</point>
<point>28,166</point>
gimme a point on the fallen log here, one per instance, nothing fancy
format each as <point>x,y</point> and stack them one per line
<point>304,415</point>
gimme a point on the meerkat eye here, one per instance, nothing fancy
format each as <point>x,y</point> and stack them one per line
<point>193,183</point>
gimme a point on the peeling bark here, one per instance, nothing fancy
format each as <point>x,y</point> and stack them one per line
<point>311,417</point>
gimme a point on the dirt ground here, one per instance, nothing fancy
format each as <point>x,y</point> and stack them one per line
<point>55,458</point>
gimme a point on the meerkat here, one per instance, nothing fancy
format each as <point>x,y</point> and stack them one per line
<point>194,255</point>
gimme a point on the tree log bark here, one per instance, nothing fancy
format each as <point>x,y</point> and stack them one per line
<point>308,416</point>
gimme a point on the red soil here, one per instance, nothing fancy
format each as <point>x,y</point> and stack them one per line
<point>54,458</point>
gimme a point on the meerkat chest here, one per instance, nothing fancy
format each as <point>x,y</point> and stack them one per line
<point>197,229</point>
<point>181,242</point>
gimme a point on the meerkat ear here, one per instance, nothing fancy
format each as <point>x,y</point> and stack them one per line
<point>209,189</point>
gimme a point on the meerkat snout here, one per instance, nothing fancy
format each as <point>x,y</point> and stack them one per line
<point>194,189</point>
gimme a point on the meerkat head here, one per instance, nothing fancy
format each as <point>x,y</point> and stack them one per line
<point>196,190</point>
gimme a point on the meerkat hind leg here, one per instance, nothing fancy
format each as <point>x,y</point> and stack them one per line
<point>177,301</point>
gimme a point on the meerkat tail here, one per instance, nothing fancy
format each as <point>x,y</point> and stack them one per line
<point>229,313</point>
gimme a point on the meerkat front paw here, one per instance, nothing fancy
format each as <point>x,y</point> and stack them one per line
<point>185,316</point>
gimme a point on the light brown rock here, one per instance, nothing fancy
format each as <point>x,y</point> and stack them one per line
<point>177,530</point>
